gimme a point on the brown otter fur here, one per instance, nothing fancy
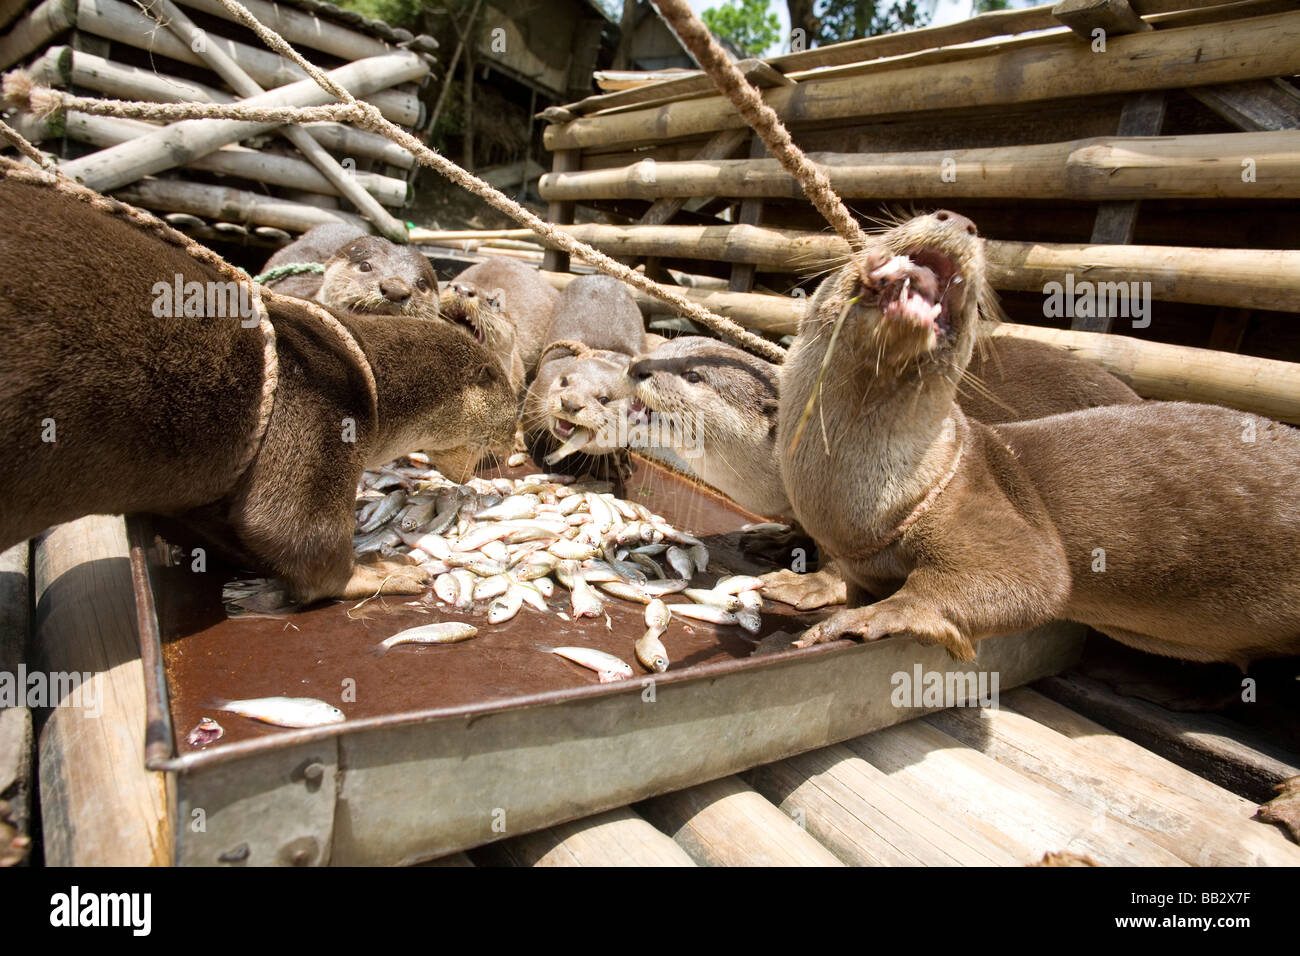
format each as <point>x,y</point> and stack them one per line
<point>525,298</point>
<point>1170,527</point>
<point>728,398</point>
<point>363,273</point>
<point>588,390</point>
<point>156,413</point>
<point>482,312</point>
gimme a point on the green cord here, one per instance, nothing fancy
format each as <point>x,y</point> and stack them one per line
<point>289,269</point>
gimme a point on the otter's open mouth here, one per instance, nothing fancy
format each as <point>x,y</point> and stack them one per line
<point>562,428</point>
<point>921,288</point>
<point>461,318</point>
<point>637,413</point>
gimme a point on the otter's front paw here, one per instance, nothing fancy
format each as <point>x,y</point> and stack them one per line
<point>891,617</point>
<point>370,580</point>
<point>807,592</point>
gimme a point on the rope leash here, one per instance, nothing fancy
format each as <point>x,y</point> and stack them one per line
<point>288,269</point>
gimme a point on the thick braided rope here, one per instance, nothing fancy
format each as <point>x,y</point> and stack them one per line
<point>147,222</point>
<point>20,143</point>
<point>747,100</point>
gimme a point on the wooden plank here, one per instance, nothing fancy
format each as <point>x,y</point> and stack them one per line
<point>1199,833</point>
<point>561,213</point>
<point>720,146</point>
<point>16,742</point>
<point>99,806</point>
<point>1255,104</point>
<point>751,214</point>
<point>1026,817</point>
<point>865,818</point>
<point>727,823</point>
<point>1126,166</point>
<point>1213,747</point>
<point>1110,16</point>
<point>1143,115</point>
<point>1257,48</point>
<point>616,837</point>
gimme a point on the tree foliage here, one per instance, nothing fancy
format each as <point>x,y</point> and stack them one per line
<point>749,24</point>
<point>834,21</point>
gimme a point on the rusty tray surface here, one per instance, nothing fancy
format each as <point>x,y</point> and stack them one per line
<point>428,728</point>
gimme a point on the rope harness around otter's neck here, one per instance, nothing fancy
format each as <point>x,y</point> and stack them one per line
<point>289,269</point>
<point>880,544</point>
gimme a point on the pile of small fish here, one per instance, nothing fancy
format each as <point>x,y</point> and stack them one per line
<point>508,541</point>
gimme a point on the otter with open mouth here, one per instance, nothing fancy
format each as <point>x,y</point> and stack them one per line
<point>482,315</point>
<point>578,401</point>
<point>1170,527</point>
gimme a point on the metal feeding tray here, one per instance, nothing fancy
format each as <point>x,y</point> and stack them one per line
<point>450,747</point>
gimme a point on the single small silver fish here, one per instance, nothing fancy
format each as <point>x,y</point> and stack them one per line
<point>579,440</point>
<point>506,606</point>
<point>284,711</point>
<point>491,587</point>
<point>650,651</point>
<point>735,583</point>
<point>628,592</point>
<point>679,560</point>
<point>657,615</point>
<point>607,667</point>
<point>727,602</point>
<point>447,632</point>
<point>703,612</point>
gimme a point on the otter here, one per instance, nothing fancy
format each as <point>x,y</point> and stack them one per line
<point>483,312</point>
<point>578,400</point>
<point>721,404</point>
<point>252,423</point>
<point>524,297</point>
<point>361,273</point>
<point>1170,527</point>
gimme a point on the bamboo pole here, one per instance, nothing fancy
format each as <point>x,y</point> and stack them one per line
<point>1099,168</point>
<point>35,30</point>
<point>1199,55</point>
<point>1176,373</point>
<point>182,142</point>
<point>231,205</point>
<point>63,66</point>
<point>121,23</point>
<point>257,165</point>
<point>99,806</point>
<point>1240,278</point>
<point>168,14</point>
<point>300,27</point>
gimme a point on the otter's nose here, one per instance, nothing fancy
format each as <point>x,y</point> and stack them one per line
<point>395,290</point>
<point>464,291</point>
<point>956,220</point>
<point>570,405</point>
<point>639,370</point>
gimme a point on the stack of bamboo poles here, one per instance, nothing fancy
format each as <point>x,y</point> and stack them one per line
<point>1166,152</point>
<point>216,177</point>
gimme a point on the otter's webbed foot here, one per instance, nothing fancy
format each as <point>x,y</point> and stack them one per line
<point>897,615</point>
<point>806,592</point>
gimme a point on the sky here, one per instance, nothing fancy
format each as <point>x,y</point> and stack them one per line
<point>946,11</point>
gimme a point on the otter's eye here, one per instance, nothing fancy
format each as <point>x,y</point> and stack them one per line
<point>692,377</point>
<point>604,399</point>
<point>422,285</point>
<point>365,267</point>
<point>564,382</point>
